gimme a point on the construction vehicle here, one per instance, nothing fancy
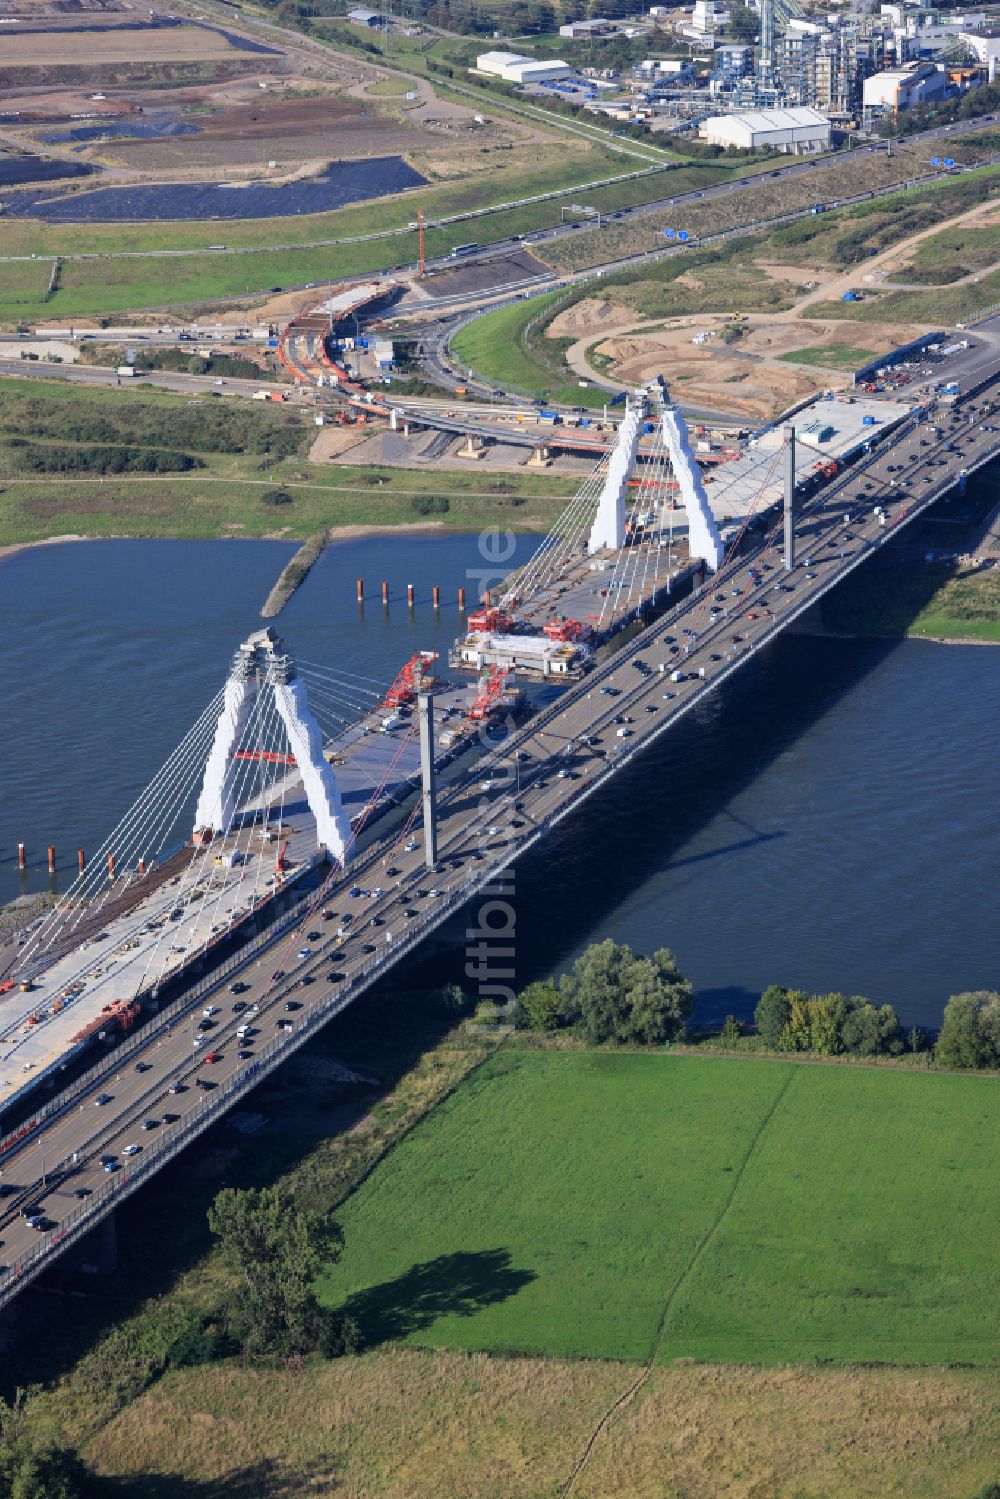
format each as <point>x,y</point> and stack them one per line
<point>281,862</point>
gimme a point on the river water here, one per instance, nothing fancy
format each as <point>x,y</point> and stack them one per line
<point>828,821</point>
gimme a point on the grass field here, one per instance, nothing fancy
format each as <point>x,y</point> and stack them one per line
<point>945,257</point>
<point>947,304</point>
<point>648,1206</point>
<point>830,356</point>
<point>496,347</point>
<point>403,1424</point>
<point>223,497</point>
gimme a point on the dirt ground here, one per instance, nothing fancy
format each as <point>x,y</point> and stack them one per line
<point>160,44</point>
<point>274,128</point>
<point>592,315</point>
<point>719,381</point>
<point>334,442</point>
<point>749,380</point>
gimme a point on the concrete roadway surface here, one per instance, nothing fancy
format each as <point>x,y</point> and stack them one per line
<point>487,815</point>
<point>180,384</point>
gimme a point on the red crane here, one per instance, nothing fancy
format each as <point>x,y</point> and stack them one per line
<point>488,621</point>
<point>408,679</point>
<point>492,688</point>
<point>562,628</point>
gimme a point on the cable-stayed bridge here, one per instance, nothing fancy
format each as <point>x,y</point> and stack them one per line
<point>249,797</point>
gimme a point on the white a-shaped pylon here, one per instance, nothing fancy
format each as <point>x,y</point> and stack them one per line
<point>608,529</point>
<point>703,534</point>
<point>261,665</point>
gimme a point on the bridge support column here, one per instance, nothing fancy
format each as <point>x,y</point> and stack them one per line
<point>425,707</point>
<point>789,436</point>
<point>473,447</point>
<point>540,457</point>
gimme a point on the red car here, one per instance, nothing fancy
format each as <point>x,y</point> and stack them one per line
<point>213,1056</point>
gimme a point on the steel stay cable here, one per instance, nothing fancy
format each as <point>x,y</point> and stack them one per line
<point>93,873</point>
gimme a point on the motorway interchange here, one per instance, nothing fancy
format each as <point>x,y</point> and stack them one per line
<point>167,1089</point>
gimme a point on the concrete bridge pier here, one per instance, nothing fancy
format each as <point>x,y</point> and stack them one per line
<point>789,436</point>
<point>428,775</point>
<point>541,457</point>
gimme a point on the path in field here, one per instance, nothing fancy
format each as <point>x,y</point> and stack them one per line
<point>629,1394</point>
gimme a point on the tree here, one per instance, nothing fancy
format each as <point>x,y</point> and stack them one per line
<point>772,1014</point>
<point>615,996</point>
<point>743,25</point>
<point>539,1006</point>
<point>731,1031</point>
<point>827,1015</point>
<point>32,1464</point>
<point>970,1031</point>
<point>277,1249</point>
<point>797,1035</point>
<point>869,1032</point>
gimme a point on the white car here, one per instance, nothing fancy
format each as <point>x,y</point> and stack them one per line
<point>131,1150</point>
<point>209,1011</point>
<point>411,847</point>
<point>486,785</point>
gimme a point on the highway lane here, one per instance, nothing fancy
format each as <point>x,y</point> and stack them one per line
<point>490,814</point>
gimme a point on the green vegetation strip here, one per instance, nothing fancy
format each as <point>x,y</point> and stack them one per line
<point>567,1199</point>
<point>509,348</point>
<point>295,572</point>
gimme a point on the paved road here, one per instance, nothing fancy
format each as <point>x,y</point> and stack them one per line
<point>487,816</point>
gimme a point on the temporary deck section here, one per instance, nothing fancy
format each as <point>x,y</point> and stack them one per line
<point>825,432</point>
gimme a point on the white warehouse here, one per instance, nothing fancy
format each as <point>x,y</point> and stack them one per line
<point>512,67</point>
<point>794,130</point>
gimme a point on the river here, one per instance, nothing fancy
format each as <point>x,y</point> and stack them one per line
<point>828,821</point>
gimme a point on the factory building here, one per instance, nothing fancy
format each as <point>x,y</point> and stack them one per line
<point>902,88</point>
<point>985,43</point>
<point>588,30</point>
<point>513,68</point>
<point>825,65</point>
<point>792,130</point>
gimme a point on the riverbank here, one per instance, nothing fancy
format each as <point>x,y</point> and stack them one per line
<point>902,597</point>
